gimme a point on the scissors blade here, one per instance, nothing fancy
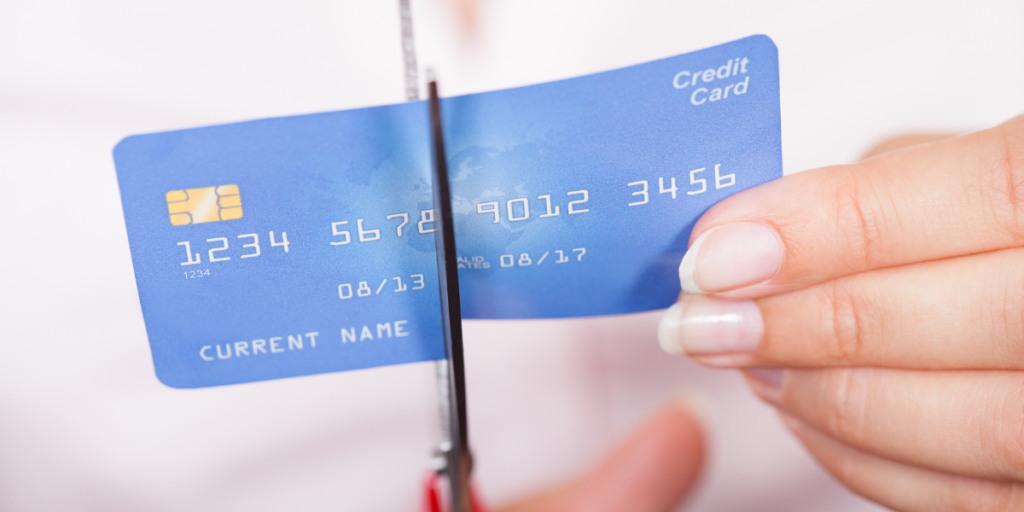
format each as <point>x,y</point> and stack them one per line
<point>459,459</point>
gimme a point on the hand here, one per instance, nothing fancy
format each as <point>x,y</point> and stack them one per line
<point>891,292</point>
<point>651,471</point>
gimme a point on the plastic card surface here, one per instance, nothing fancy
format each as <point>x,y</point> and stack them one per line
<point>571,198</point>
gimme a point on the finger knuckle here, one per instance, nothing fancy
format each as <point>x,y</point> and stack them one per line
<point>1003,430</point>
<point>858,220</point>
<point>1002,181</point>
<point>843,324</point>
<point>1010,309</point>
<point>843,413</point>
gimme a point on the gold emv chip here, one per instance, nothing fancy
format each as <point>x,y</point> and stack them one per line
<point>207,204</point>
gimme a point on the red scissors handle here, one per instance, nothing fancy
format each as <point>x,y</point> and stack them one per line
<point>432,495</point>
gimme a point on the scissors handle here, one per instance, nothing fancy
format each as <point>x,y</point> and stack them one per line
<point>432,501</point>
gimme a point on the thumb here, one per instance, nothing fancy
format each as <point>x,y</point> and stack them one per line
<point>650,471</point>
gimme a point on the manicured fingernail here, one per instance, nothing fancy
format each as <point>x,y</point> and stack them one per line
<point>702,325</point>
<point>766,383</point>
<point>730,256</point>
<point>770,377</point>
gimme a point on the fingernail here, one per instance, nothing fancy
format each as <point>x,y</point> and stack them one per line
<point>766,383</point>
<point>730,256</point>
<point>770,377</point>
<point>702,325</point>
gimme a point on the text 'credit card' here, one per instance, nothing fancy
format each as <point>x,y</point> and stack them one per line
<point>571,198</point>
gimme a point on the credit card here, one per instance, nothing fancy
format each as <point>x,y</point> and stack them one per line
<point>571,198</point>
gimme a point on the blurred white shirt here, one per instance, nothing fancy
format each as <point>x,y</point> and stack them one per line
<point>85,425</point>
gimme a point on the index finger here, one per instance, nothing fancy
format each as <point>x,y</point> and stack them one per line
<point>950,198</point>
<point>651,471</point>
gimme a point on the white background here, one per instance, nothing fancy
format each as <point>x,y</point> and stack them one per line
<point>84,424</point>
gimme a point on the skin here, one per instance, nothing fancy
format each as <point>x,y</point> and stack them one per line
<point>897,316</point>
<point>652,470</point>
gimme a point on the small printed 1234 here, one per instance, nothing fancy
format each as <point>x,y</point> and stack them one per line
<point>299,245</point>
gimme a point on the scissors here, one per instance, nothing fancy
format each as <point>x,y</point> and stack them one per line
<point>453,459</point>
<point>451,374</point>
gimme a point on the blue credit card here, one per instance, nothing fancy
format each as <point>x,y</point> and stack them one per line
<point>301,245</point>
